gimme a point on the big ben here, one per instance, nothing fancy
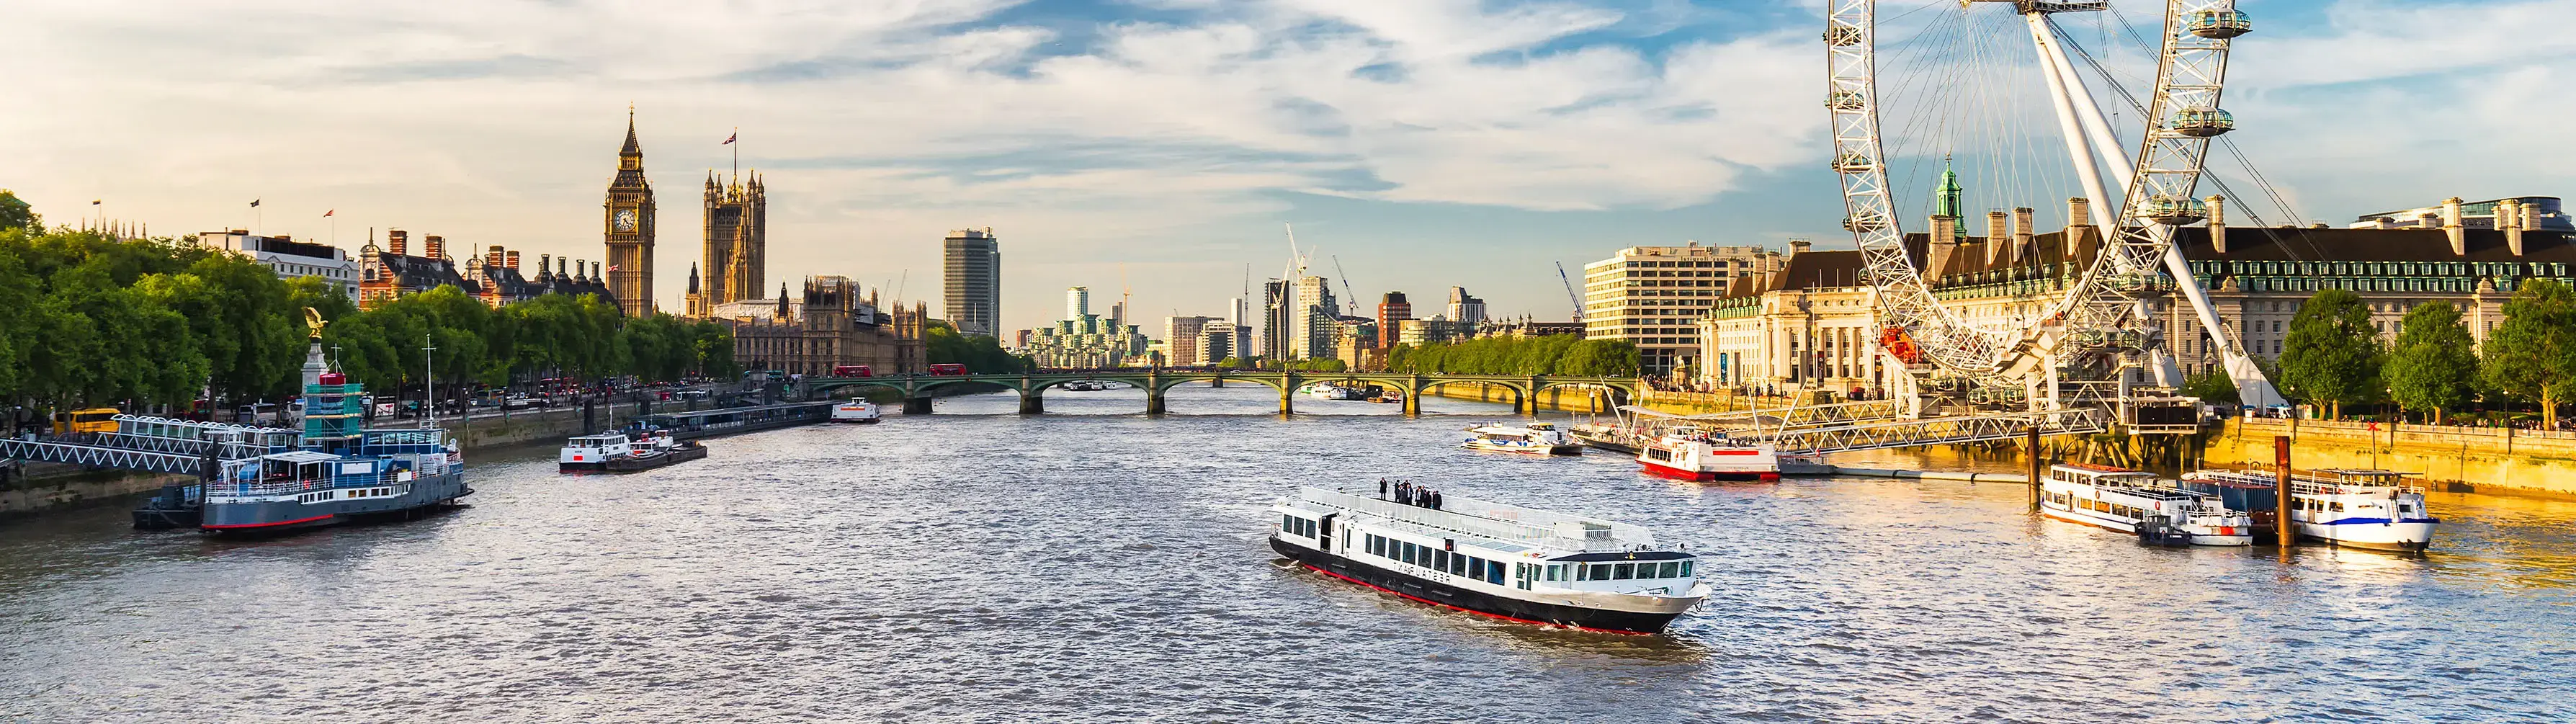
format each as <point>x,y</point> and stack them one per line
<point>629,229</point>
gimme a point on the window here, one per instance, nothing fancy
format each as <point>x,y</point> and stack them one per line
<point>1409,552</point>
<point>1669,570</point>
<point>1623,571</point>
<point>1440,560</point>
<point>1287,524</point>
<point>1457,565</point>
<point>1600,571</point>
<point>1494,571</point>
<point>1686,569</point>
<point>1555,572</point>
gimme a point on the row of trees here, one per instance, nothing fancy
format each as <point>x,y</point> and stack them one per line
<point>1562,354</point>
<point>942,344</point>
<point>2333,357</point>
<point>87,319</point>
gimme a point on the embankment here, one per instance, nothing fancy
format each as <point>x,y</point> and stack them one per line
<point>2464,459</point>
<point>1557,399</point>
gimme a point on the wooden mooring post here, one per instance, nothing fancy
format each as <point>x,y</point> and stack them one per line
<point>2030,449</point>
<point>2283,527</point>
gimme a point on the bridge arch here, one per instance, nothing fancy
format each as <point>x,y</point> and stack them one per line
<point>1620,393</point>
<point>1522,397</point>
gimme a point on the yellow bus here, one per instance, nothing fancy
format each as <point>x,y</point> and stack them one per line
<point>96,419</point>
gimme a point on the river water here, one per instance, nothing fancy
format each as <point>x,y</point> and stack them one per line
<point>1096,565</point>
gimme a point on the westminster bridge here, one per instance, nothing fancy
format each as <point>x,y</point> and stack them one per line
<point>1155,381</point>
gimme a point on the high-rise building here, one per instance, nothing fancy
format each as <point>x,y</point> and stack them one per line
<point>1276,297</point>
<point>1313,319</point>
<point>1653,296</point>
<point>1391,309</point>
<point>1184,335</point>
<point>1077,302</point>
<point>737,243</point>
<point>628,229</point>
<point>1465,309</point>
<point>1216,342</point>
<point>972,268</point>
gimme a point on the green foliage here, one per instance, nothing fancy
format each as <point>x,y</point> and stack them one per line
<point>1320,364</point>
<point>2433,365</point>
<point>2531,355</point>
<point>15,214</point>
<point>980,354</point>
<point>2211,385</point>
<point>2332,355</point>
<point>1550,355</point>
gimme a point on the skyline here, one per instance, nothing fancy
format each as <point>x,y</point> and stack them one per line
<point>1482,143</point>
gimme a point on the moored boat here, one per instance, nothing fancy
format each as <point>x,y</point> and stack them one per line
<point>2374,509</point>
<point>2141,504</point>
<point>857,411</point>
<point>592,452</point>
<point>1689,454</point>
<point>655,448</point>
<point>1537,438</point>
<point>1506,561</point>
<point>336,472</point>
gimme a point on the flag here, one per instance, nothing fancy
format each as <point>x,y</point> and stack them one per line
<point>95,202</point>
<point>328,213</point>
<point>612,267</point>
<point>729,139</point>
<point>254,203</point>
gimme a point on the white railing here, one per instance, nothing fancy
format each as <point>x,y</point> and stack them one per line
<point>1497,521</point>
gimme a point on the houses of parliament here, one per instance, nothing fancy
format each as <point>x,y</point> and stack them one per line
<point>832,323</point>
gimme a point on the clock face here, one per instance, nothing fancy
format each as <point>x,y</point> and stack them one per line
<point>625,219</point>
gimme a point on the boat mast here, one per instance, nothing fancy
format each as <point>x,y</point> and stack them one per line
<point>428,385</point>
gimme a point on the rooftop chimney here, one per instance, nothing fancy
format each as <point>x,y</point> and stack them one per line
<point>2079,212</point>
<point>513,260</point>
<point>436,247</point>
<point>492,257</point>
<point>2217,222</point>
<point>545,266</point>
<point>2509,218</point>
<point>2451,227</point>
<point>1998,233</point>
<point>1945,243</point>
<point>595,274</point>
<point>397,242</point>
<point>2023,228</point>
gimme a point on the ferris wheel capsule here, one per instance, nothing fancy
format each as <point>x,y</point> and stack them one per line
<point>1854,163</point>
<point>1863,223</point>
<point>2202,122</point>
<point>1842,36</point>
<point>2175,212</point>
<point>2219,24</point>
<point>1845,101</point>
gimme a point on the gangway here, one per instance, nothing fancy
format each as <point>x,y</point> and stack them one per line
<point>153,445</point>
<point>1874,435</point>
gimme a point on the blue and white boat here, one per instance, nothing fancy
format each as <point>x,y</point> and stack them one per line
<point>2374,509</point>
<point>335,472</point>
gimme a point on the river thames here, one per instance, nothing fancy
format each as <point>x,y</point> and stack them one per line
<point>1097,565</point>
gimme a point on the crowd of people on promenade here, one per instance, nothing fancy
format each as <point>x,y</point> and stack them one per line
<point>1404,491</point>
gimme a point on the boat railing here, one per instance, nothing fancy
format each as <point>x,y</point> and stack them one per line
<point>266,486</point>
<point>2313,484</point>
<point>1457,515</point>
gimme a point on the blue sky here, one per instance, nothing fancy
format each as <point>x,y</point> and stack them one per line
<point>1427,143</point>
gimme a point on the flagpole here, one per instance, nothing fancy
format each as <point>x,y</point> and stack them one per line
<point>737,152</point>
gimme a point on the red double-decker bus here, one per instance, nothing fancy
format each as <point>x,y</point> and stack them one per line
<point>948,370</point>
<point>853,371</point>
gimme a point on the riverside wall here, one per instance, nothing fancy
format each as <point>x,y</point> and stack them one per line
<point>2464,459</point>
<point>1557,399</point>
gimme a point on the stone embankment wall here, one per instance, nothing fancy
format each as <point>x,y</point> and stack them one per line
<point>1558,399</point>
<point>2485,460</point>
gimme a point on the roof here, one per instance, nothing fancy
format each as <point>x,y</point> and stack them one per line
<point>301,457</point>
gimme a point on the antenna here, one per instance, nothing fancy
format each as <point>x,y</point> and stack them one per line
<point>1123,292</point>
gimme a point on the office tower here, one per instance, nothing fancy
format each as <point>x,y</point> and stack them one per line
<point>1465,309</point>
<point>972,266</point>
<point>1391,309</point>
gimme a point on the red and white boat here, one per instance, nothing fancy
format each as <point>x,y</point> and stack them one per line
<point>1689,454</point>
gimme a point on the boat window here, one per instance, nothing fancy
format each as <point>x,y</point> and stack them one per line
<point>1410,551</point>
<point>1494,571</point>
<point>1555,572</point>
<point>2336,506</point>
<point>1440,560</point>
<point>1580,574</point>
<point>1623,571</point>
<point>1669,570</point>
<point>1457,565</point>
<point>1287,524</point>
<point>1686,569</point>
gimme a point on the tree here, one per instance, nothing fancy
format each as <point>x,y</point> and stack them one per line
<point>941,344</point>
<point>2434,364</point>
<point>2531,355</point>
<point>2332,355</point>
<point>15,214</point>
<point>2211,385</point>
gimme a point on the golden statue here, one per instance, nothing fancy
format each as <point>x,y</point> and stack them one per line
<point>313,321</point>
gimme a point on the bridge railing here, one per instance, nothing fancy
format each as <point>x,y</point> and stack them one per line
<point>1935,431</point>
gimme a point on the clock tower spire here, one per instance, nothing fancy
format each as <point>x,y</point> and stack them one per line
<point>629,229</point>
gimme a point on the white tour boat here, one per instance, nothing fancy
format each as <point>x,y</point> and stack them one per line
<point>1333,392</point>
<point>2141,504</point>
<point>856,410</point>
<point>1689,454</point>
<point>593,452</point>
<point>1539,438</point>
<point>2344,507</point>
<point>1505,561</point>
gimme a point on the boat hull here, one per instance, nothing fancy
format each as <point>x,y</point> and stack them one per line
<point>1524,449</point>
<point>268,517</point>
<point>1709,476</point>
<point>2243,535</point>
<point>2371,533</point>
<point>1439,594</point>
<point>680,455</point>
<point>855,420</point>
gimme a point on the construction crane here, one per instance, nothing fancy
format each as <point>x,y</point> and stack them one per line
<point>1296,260</point>
<point>1351,297</point>
<point>1570,293</point>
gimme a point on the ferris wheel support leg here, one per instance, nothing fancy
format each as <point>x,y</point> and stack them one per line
<point>2078,149</point>
<point>2252,388</point>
